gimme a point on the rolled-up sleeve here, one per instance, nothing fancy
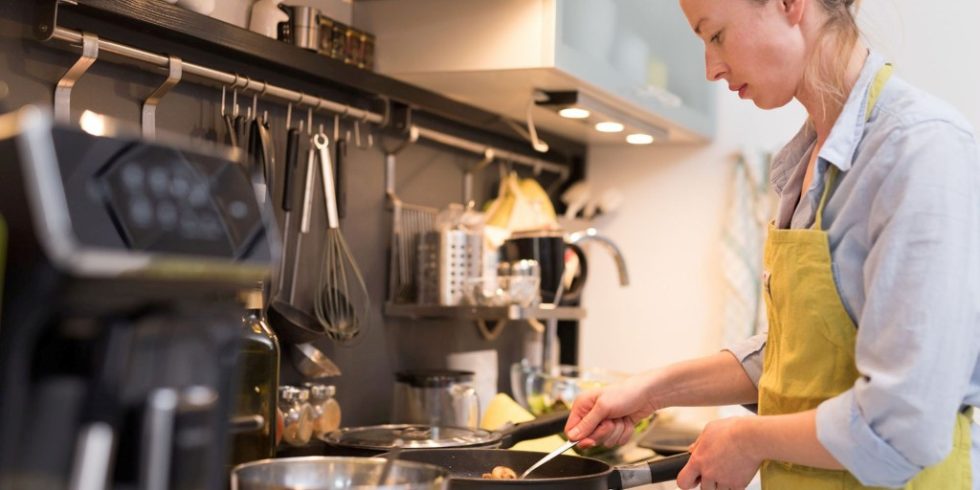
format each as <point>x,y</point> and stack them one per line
<point>917,341</point>
<point>749,353</point>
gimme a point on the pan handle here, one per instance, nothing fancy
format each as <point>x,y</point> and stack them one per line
<point>655,471</point>
<point>545,425</point>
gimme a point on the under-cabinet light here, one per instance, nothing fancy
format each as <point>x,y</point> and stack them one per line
<point>639,139</point>
<point>574,113</point>
<point>609,127</point>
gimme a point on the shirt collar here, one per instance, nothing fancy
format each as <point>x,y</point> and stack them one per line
<point>844,136</point>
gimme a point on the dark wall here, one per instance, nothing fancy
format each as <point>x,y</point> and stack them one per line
<point>426,175</point>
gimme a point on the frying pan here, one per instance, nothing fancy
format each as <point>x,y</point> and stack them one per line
<point>378,439</point>
<point>466,467</point>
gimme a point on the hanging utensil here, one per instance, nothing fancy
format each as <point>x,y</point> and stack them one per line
<point>340,154</point>
<point>293,325</point>
<point>342,300</point>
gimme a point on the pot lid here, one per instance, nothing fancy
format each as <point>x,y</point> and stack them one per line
<point>433,378</point>
<point>385,437</point>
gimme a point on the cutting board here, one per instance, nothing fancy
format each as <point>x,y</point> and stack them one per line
<point>504,410</point>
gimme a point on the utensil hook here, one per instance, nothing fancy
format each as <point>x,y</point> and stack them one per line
<point>488,156</point>
<point>176,68</point>
<point>62,93</point>
<point>234,96</point>
<point>413,136</point>
<point>357,133</point>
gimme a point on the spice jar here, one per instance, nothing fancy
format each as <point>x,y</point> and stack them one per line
<point>297,415</point>
<point>326,410</point>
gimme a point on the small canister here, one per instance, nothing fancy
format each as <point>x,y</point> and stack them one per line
<point>326,410</point>
<point>297,415</point>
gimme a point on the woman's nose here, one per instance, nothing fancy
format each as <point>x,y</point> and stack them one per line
<point>714,68</point>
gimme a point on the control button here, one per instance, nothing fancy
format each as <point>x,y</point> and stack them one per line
<point>141,213</point>
<point>160,181</point>
<point>238,209</point>
<point>199,195</point>
<point>179,187</point>
<point>167,215</point>
<point>132,176</point>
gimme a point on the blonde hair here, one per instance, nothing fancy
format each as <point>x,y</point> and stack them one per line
<point>825,74</point>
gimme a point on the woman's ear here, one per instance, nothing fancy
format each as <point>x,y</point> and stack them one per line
<point>793,10</point>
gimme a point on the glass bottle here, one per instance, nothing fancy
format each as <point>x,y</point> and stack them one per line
<point>257,385</point>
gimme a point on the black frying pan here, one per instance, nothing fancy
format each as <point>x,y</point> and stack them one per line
<point>466,467</point>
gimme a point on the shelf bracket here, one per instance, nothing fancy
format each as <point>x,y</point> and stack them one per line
<point>46,18</point>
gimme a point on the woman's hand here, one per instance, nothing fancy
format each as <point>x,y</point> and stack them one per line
<point>723,457</point>
<point>606,416</point>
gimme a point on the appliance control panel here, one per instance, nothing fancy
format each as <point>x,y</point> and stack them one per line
<point>112,204</point>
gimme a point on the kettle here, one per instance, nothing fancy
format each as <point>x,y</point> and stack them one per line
<point>441,398</point>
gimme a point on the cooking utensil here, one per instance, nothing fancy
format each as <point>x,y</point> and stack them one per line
<point>341,307</point>
<point>340,154</point>
<point>382,438</point>
<point>548,457</point>
<point>312,362</point>
<point>466,467</point>
<point>323,473</point>
<point>293,325</point>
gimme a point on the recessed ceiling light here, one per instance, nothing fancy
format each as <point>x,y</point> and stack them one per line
<point>639,139</point>
<point>574,113</point>
<point>609,127</point>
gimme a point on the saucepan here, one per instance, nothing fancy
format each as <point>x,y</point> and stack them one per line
<point>335,473</point>
<point>466,467</point>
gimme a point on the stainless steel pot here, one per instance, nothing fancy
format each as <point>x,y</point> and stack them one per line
<point>332,473</point>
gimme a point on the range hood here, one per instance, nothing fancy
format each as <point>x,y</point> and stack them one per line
<point>633,62</point>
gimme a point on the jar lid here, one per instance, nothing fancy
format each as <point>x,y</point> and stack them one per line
<point>433,378</point>
<point>385,437</point>
<point>288,393</point>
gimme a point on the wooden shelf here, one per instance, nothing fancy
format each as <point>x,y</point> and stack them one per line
<point>149,24</point>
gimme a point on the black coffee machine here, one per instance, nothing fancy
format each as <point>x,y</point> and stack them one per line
<point>119,325</point>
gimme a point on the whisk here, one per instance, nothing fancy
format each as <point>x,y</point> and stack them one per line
<point>342,300</point>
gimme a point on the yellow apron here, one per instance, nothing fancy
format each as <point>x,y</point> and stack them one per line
<point>809,354</point>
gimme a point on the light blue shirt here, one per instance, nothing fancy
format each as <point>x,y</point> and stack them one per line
<point>904,228</point>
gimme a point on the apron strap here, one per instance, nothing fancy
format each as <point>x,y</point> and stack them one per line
<point>877,87</point>
<point>881,79</point>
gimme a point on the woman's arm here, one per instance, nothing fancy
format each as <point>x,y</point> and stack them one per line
<point>606,416</point>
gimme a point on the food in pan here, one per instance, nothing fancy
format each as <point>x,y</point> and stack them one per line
<point>500,473</point>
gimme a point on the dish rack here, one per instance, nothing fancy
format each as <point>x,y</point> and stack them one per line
<point>418,287</point>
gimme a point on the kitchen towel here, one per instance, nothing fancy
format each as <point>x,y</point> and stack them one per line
<point>742,240</point>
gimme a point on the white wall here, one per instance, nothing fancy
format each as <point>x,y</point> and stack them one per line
<point>237,11</point>
<point>669,227</point>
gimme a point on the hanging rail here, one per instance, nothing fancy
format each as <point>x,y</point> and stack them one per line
<point>290,96</point>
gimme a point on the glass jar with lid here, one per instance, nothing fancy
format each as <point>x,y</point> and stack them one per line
<point>326,410</point>
<point>297,415</point>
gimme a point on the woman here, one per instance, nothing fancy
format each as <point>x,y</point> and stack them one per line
<point>872,276</point>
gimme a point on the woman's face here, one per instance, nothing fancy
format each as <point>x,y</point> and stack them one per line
<point>757,48</point>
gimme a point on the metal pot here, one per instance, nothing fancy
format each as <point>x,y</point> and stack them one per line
<point>382,438</point>
<point>466,467</point>
<point>329,473</point>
